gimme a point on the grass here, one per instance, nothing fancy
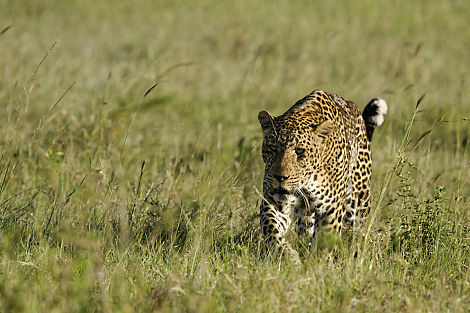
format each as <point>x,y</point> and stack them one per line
<point>118,198</point>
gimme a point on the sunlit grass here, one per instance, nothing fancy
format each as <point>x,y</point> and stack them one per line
<point>114,200</point>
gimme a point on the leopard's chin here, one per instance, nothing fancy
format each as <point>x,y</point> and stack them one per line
<point>282,191</point>
<point>280,195</point>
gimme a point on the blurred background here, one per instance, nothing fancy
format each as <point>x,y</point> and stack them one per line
<point>115,201</point>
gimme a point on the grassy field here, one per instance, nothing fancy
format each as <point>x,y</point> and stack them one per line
<point>112,201</point>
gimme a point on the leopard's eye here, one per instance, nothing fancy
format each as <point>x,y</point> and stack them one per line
<point>299,151</point>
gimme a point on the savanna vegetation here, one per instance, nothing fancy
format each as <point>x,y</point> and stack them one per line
<point>119,197</point>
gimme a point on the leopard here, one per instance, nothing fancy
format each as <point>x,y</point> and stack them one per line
<point>317,175</point>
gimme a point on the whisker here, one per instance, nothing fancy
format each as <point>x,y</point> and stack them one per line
<point>304,197</point>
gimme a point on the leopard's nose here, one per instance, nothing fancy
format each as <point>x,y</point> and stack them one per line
<point>280,178</point>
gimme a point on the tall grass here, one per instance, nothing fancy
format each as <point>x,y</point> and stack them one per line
<point>119,195</point>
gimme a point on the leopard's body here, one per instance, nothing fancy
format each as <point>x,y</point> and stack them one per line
<point>318,166</point>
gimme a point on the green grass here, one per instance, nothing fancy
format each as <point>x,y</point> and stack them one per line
<point>115,202</point>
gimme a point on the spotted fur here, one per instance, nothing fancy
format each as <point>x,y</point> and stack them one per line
<point>318,166</point>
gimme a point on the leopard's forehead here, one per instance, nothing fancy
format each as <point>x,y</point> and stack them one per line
<point>306,113</point>
<point>298,124</point>
<point>293,126</point>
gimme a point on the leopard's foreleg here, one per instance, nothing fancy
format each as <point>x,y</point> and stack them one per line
<point>275,222</point>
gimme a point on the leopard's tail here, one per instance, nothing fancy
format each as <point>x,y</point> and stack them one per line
<point>373,115</point>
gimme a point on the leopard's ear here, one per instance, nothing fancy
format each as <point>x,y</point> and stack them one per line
<point>324,129</point>
<point>267,122</point>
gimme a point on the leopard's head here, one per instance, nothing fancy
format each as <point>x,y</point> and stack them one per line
<point>293,146</point>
